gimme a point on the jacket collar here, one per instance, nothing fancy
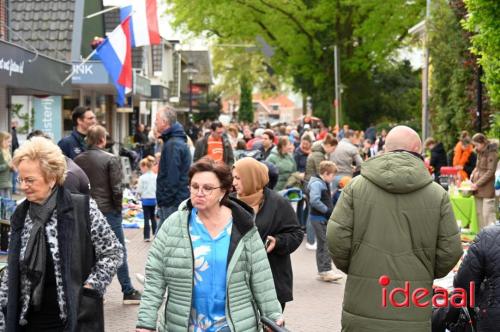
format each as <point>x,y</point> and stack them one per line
<point>243,216</point>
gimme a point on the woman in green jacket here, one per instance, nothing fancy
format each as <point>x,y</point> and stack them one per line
<point>211,262</point>
<point>281,157</point>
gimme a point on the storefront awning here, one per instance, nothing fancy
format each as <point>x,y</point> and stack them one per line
<point>27,72</point>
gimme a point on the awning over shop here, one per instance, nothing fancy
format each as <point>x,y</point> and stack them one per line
<point>27,72</point>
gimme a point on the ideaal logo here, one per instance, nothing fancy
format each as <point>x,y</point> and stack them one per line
<point>417,296</point>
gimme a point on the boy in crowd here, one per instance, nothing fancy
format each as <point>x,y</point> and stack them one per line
<point>320,200</point>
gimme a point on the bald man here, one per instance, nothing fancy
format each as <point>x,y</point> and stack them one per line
<point>392,222</point>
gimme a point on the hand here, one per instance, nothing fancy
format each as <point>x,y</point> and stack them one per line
<point>270,243</point>
<point>279,322</point>
<point>89,286</point>
<point>473,187</point>
<point>143,330</point>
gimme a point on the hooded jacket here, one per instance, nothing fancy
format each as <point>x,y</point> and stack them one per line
<point>285,165</point>
<point>484,173</point>
<point>392,220</point>
<point>249,284</point>
<point>172,179</point>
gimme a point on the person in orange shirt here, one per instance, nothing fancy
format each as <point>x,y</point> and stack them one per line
<point>463,156</point>
<point>215,145</point>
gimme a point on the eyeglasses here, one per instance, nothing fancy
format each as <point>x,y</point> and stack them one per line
<point>205,190</point>
<point>27,181</point>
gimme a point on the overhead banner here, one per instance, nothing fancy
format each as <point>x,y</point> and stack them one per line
<point>48,116</point>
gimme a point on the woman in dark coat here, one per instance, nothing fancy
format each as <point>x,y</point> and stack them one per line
<point>275,219</point>
<point>481,266</point>
<point>62,251</point>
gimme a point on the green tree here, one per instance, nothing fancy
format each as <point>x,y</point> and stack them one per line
<point>483,21</point>
<point>303,32</point>
<point>245,112</point>
<point>454,74</point>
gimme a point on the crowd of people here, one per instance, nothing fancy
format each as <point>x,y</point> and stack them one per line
<point>217,200</point>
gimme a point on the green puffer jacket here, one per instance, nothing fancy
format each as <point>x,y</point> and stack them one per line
<point>285,165</point>
<point>250,287</point>
<point>392,220</point>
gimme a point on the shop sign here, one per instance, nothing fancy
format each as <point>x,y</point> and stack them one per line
<point>90,72</point>
<point>48,116</point>
<point>20,68</point>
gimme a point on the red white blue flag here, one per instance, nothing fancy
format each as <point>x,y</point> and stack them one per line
<point>116,55</point>
<point>144,23</point>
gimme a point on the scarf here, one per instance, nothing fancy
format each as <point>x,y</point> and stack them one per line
<point>35,257</point>
<point>254,177</point>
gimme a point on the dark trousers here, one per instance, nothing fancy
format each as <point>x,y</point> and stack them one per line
<point>302,212</point>
<point>149,216</point>
<point>115,221</point>
<point>323,259</point>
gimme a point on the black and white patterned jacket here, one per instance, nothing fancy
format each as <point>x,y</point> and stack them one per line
<point>108,256</point>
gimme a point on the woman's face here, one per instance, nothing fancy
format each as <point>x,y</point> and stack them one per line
<point>237,183</point>
<point>6,143</point>
<point>479,146</point>
<point>205,191</point>
<point>289,147</point>
<point>32,182</point>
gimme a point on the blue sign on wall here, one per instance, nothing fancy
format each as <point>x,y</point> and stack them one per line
<point>48,116</point>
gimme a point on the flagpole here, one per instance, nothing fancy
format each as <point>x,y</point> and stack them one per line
<point>101,12</point>
<point>73,72</point>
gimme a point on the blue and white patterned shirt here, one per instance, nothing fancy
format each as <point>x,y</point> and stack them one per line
<point>208,311</point>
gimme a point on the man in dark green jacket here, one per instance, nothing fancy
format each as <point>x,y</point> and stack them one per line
<point>392,221</point>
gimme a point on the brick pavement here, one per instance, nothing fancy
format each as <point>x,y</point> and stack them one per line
<point>316,307</point>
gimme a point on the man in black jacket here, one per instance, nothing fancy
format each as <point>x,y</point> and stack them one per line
<point>83,118</point>
<point>104,172</point>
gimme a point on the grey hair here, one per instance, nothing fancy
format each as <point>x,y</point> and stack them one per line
<point>168,113</point>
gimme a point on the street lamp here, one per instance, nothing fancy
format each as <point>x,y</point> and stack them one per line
<point>190,71</point>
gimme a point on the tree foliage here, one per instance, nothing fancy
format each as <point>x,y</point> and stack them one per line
<point>245,112</point>
<point>484,22</point>
<point>452,107</point>
<point>454,75</point>
<point>303,33</point>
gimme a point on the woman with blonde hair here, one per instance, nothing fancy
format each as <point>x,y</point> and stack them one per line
<point>5,165</point>
<point>146,188</point>
<point>62,252</point>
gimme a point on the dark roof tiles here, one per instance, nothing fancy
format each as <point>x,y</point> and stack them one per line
<point>45,24</point>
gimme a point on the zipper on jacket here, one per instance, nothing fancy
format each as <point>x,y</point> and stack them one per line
<point>192,266</point>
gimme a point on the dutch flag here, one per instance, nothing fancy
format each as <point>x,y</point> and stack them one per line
<point>116,55</point>
<point>144,23</point>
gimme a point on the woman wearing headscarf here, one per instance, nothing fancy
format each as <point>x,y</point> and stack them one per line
<point>62,252</point>
<point>275,219</point>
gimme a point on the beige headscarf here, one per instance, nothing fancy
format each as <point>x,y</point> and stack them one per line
<point>254,177</point>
